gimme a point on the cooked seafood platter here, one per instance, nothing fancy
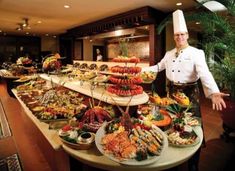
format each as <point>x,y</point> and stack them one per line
<point>131,142</point>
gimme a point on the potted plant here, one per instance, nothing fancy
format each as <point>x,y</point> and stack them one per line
<point>218,42</point>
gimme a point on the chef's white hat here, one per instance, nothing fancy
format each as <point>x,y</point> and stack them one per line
<point>179,22</point>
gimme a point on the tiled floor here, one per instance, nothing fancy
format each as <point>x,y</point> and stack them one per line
<point>216,156</point>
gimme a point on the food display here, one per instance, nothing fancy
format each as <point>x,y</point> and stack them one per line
<point>24,61</point>
<point>183,139</point>
<point>181,98</point>
<point>182,133</point>
<point>126,83</point>
<point>161,101</point>
<point>51,63</point>
<point>148,77</point>
<point>83,66</point>
<point>101,78</point>
<point>125,80</point>
<point>76,138</point>
<point>150,114</point>
<point>93,67</point>
<point>103,67</point>
<point>126,69</point>
<point>87,75</point>
<point>76,65</point>
<point>139,145</point>
<point>50,103</point>
<point>94,118</point>
<point>126,140</point>
<point>126,59</point>
<point>25,78</point>
<point>14,71</point>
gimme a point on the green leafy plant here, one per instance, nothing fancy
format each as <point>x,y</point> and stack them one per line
<point>218,41</point>
<point>123,46</point>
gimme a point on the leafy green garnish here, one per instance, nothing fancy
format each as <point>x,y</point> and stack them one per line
<point>158,117</point>
<point>66,138</point>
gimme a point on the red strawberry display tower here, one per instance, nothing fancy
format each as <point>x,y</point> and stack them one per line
<point>126,78</point>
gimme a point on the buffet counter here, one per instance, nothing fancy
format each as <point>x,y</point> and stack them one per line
<point>49,134</point>
<point>171,156</point>
<point>47,140</point>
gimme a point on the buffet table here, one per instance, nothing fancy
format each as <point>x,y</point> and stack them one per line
<point>99,92</point>
<point>170,157</point>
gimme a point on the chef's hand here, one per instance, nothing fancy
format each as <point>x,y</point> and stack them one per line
<point>218,101</point>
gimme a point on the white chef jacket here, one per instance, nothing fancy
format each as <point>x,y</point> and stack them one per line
<point>99,58</point>
<point>189,66</point>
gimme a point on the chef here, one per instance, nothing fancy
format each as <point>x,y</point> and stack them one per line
<point>184,66</point>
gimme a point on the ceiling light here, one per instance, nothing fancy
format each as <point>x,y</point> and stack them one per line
<point>66,6</point>
<point>46,34</point>
<point>39,22</point>
<point>178,3</point>
<point>24,24</point>
<point>213,5</point>
<point>0,31</point>
<point>197,23</point>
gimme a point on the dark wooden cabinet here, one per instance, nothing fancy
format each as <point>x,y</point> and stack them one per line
<point>13,47</point>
